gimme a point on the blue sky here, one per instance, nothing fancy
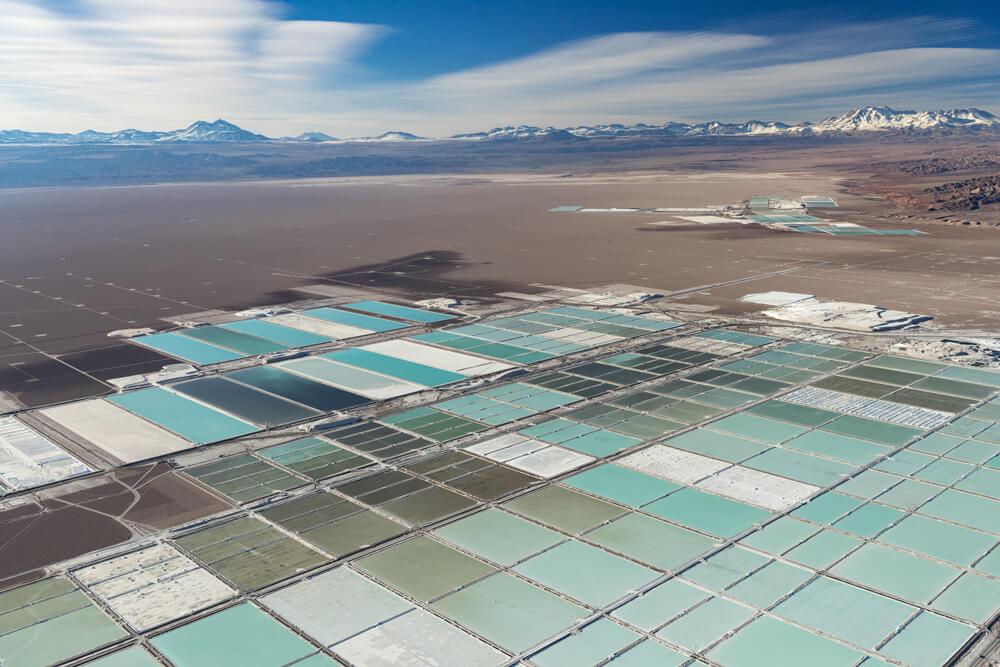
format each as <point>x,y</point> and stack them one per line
<point>436,37</point>
<point>356,67</point>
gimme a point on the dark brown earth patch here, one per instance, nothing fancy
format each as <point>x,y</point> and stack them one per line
<point>96,513</point>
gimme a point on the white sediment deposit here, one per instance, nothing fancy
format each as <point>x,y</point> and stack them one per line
<point>967,351</point>
<point>807,309</point>
<point>130,333</point>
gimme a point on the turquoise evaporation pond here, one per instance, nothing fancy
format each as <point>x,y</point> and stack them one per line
<point>310,393</point>
<point>485,347</point>
<point>429,376</point>
<point>356,320</point>
<point>243,402</point>
<point>579,313</point>
<point>736,337</point>
<point>134,656</point>
<point>188,419</point>
<point>399,312</point>
<point>624,485</point>
<point>241,636</point>
<point>187,349</point>
<point>350,378</point>
<point>231,340</point>
<point>278,333</point>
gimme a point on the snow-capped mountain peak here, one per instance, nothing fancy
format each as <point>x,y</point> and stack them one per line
<point>880,119</point>
<point>216,131</point>
<point>311,137</point>
<point>671,129</point>
<point>393,135</point>
<point>973,116</point>
<point>716,128</point>
<point>512,132</point>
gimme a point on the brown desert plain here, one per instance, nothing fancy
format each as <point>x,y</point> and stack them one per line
<point>80,262</point>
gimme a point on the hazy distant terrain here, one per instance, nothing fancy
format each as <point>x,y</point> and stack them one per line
<point>34,166</point>
<point>221,151</point>
<point>99,165</point>
<point>134,165</point>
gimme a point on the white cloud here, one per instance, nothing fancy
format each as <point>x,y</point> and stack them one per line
<point>597,60</point>
<point>697,76</point>
<point>823,81</point>
<point>160,64</point>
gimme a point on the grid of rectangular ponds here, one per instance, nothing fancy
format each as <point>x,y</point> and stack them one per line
<point>351,447</point>
<point>835,527</point>
<point>212,344</point>
<point>211,409</point>
<point>163,420</point>
<point>536,336</point>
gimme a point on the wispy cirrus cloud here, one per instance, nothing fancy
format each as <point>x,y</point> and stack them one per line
<point>696,76</point>
<point>605,59</point>
<point>162,63</point>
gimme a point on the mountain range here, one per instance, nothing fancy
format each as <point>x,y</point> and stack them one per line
<point>864,119</point>
<point>200,132</point>
<point>860,120</point>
